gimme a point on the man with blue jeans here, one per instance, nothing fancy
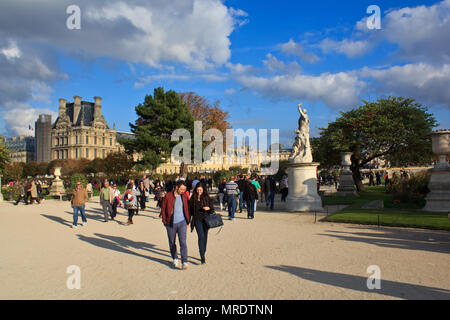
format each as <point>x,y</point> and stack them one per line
<point>270,188</point>
<point>175,217</point>
<point>241,184</point>
<point>232,190</point>
<point>78,202</point>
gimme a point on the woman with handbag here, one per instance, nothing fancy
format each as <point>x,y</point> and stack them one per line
<point>200,206</point>
<point>141,199</point>
<point>131,204</point>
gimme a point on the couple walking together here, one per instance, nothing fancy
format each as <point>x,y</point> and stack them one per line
<point>178,212</point>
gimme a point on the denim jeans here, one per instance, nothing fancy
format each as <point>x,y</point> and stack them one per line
<point>231,205</point>
<point>270,198</point>
<point>75,214</point>
<point>242,203</point>
<point>180,229</point>
<point>250,208</point>
<point>202,232</point>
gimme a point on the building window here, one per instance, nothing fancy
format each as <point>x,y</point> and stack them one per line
<point>103,154</point>
<point>103,140</point>
<point>95,140</point>
<point>95,153</point>
<point>110,141</point>
<point>87,140</point>
<point>76,139</point>
<point>87,153</point>
<point>66,154</point>
<point>76,153</point>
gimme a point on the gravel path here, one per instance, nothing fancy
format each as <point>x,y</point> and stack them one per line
<point>276,256</point>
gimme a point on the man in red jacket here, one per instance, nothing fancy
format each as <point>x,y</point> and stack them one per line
<point>175,217</point>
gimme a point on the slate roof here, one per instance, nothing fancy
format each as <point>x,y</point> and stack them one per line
<point>85,117</point>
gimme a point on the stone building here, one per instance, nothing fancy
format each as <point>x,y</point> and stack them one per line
<point>43,133</point>
<point>81,131</point>
<point>22,148</point>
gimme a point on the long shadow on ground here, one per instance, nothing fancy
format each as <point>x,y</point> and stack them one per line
<point>409,239</point>
<point>123,245</point>
<point>58,219</point>
<point>389,288</point>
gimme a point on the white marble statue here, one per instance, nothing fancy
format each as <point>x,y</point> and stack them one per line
<point>301,150</point>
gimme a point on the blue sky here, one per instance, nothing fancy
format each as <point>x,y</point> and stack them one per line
<point>259,58</point>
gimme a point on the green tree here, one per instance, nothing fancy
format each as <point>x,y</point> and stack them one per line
<point>396,130</point>
<point>117,165</point>
<point>4,156</point>
<point>158,117</point>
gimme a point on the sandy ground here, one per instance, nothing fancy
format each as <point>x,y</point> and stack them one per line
<point>276,256</point>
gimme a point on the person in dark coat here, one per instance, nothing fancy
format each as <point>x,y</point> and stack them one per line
<point>270,189</point>
<point>250,194</point>
<point>200,206</point>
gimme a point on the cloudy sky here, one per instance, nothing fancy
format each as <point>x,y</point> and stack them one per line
<point>259,58</point>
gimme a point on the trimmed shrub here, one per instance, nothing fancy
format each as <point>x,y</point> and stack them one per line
<point>412,189</point>
<point>75,178</point>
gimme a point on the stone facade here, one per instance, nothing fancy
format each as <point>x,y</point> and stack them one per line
<point>22,148</point>
<point>81,131</point>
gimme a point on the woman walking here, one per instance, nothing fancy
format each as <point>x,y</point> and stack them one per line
<point>131,204</point>
<point>116,202</point>
<point>142,190</point>
<point>200,206</point>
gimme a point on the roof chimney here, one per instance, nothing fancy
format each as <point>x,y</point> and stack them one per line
<point>76,108</point>
<point>62,107</point>
<point>97,107</point>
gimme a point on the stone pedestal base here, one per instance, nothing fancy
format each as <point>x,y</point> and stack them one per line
<point>57,188</point>
<point>347,185</point>
<point>438,200</point>
<point>303,196</point>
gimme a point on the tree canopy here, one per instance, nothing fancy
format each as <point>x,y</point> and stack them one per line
<point>4,156</point>
<point>395,129</point>
<point>158,117</point>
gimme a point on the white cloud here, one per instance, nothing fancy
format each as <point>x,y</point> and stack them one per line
<point>230,91</point>
<point>347,47</point>
<point>421,81</point>
<point>143,81</point>
<point>338,90</point>
<point>421,33</point>
<point>11,52</point>
<point>279,67</point>
<point>297,49</point>
<point>20,117</point>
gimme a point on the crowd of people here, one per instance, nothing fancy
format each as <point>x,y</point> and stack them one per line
<point>27,190</point>
<point>182,203</point>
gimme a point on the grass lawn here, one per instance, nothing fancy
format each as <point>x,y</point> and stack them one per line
<point>394,214</point>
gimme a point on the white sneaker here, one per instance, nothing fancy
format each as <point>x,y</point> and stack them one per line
<point>176,263</point>
<point>185,266</point>
<point>74,227</point>
<point>84,224</point>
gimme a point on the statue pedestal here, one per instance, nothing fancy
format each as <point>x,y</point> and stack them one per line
<point>303,196</point>
<point>57,188</point>
<point>346,185</point>
<point>438,200</point>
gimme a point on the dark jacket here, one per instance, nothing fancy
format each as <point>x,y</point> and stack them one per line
<point>168,205</point>
<point>250,192</point>
<point>196,209</point>
<point>241,184</point>
<point>269,185</point>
